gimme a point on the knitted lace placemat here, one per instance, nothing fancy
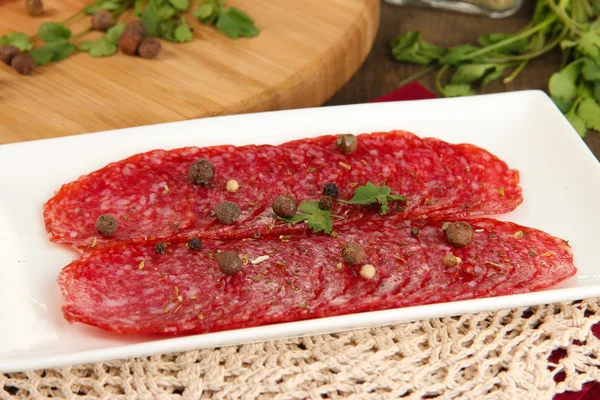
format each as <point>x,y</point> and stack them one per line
<point>491,355</point>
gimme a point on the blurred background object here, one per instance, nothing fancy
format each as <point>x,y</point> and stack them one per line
<point>490,8</point>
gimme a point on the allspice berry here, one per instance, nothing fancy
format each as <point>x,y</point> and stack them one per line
<point>346,143</point>
<point>458,234</point>
<point>194,243</point>
<point>107,225</point>
<point>227,212</point>
<point>8,52</point>
<point>353,253</point>
<point>285,206</point>
<point>326,202</point>
<point>102,21</point>
<point>131,38</point>
<point>34,7</point>
<point>450,260</point>
<point>201,172</point>
<point>149,48</point>
<point>229,262</point>
<point>23,64</point>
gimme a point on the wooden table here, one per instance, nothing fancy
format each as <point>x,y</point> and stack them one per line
<point>380,74</point>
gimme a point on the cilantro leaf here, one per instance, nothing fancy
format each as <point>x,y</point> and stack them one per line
<point>563,84</point>
<point>181,5</point>
<point>235,23</point>
<point>52,52</point>
<point>51,32</point>
<point>208,11</point>
<point>590,70</point>
<point>410,47</point>
<point>371,194</point>
<point>577,122</point>
<point>468,73</point>
<point>183,33</point>
<point>20,40</point>
<point>589,111</point>
<point>458,89</point>
<point>98,48</point>
<point>316,218</point>
<point>517,47</point>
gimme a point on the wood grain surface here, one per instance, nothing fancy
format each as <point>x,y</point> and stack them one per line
<point>306,51</point>
<point>380,74</point>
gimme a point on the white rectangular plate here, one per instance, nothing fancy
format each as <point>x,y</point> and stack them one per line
<point>560,179</point>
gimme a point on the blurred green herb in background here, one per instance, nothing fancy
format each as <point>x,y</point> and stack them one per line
<point>571,25</point>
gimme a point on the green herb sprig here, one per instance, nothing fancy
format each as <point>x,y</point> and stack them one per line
<point>321,220</point>
<point>163,19</point>
<point>571,25</point>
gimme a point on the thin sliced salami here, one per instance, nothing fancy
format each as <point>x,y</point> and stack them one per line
<point>134,289</point>
<point>146,202</point>
<point>438,180</point>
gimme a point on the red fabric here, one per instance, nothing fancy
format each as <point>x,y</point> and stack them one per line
<point>589,391</point>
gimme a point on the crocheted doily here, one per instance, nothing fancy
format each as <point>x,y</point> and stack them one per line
<point>491,355</point>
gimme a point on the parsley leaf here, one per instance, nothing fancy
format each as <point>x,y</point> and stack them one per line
<point>52,52</point>
<point>208,11</point>
<point>98,48</point>
<point>107,45</point>
<point>151,20</point>
<point>371,194</point>
<point>317,219</point>
<point>113,34</point>
<point>20,40</point>
<point>181,5</point>
<point>108,5</point>
<point>410,47</point>
<point>577,122</point>
<point>492,74</point>
<point>51,32</point>
<point>589,111</point>
<point>563,84</point>
<point>589,44</point>
<point>137,8</point>
<point>562,104</point>
<point>454,55</point>
<point>596,92</point>
<point>235,23</point>
<point>590,70</point>
<point>457,90</point>
<point>183,33</point>
<point>468,73</point>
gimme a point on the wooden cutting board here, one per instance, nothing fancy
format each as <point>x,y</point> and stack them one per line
<point>306,51</point>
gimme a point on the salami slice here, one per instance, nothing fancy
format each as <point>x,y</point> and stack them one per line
<point>147,204</point>
<point>438,180</point>
<point>134,289</point>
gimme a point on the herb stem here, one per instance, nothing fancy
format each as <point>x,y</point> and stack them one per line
<point>524,34</point>
<point>417,75</point>
<point>72,17</point>
<point>539,52</point>
<point>562,15</point>
<point>81,34</point>
<point>438,80</point>
<point>515,72</point>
